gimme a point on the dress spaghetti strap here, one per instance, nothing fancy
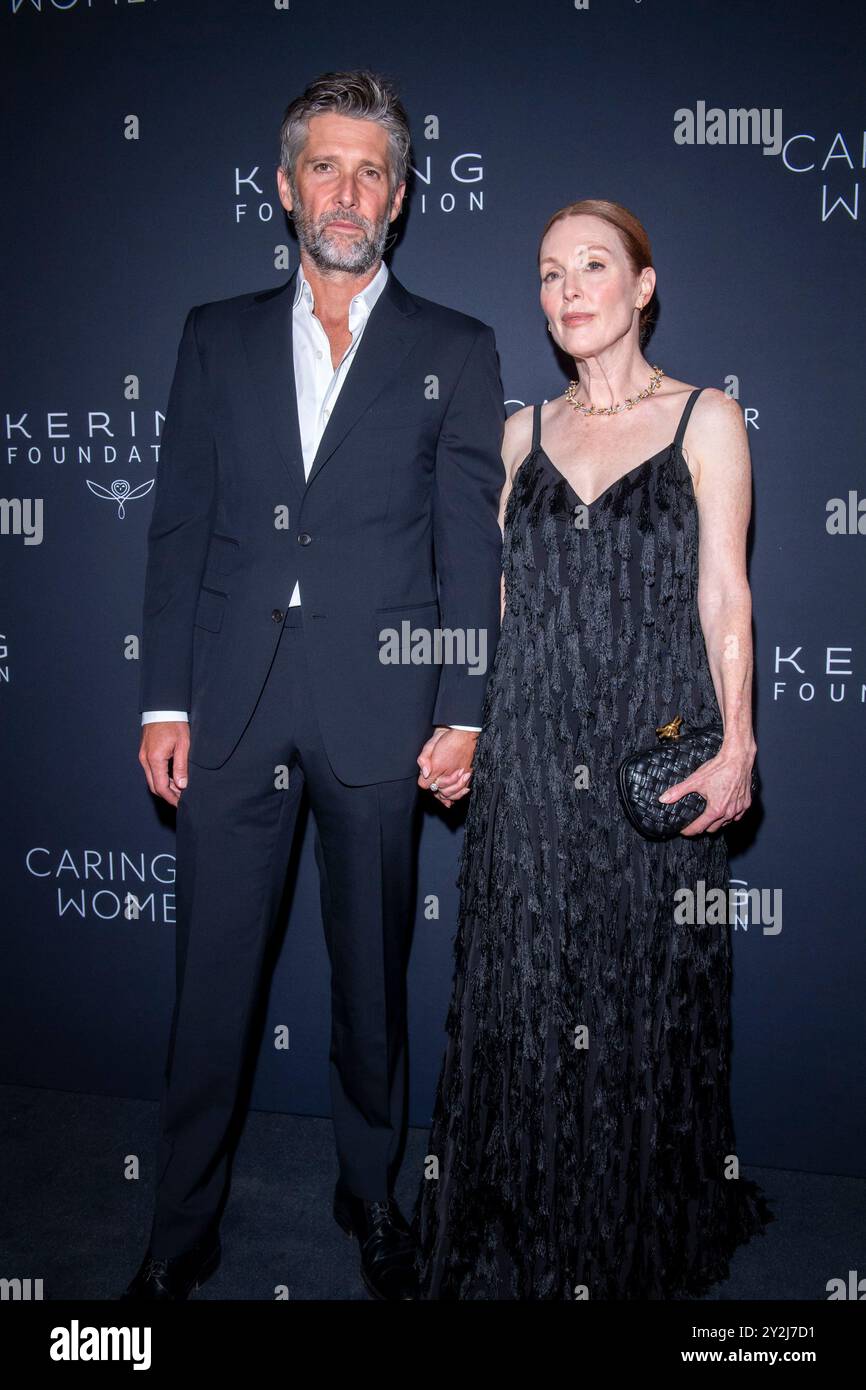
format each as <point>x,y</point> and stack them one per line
<point>684,418</point>
<point>536,426</point>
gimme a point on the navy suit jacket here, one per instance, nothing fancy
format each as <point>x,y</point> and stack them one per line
<point>397,521</point>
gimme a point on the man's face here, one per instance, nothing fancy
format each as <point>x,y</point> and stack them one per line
<point>340,202</point>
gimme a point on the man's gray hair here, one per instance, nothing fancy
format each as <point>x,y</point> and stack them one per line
<point>367,96</point>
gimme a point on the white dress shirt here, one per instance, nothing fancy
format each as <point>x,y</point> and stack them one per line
<point>317,385</point>
<point>317,382</point>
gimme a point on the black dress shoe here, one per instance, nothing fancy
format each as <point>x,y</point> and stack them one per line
<point>387,1244</point>
<point>173,1280</point>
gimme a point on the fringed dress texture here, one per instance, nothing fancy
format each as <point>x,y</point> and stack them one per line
<point>582,1142</point>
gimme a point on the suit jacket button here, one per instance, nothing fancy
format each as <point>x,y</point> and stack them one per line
<point>278,615</point>
<point>304,538</point>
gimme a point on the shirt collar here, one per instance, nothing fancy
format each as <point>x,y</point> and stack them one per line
<point>363,300</point>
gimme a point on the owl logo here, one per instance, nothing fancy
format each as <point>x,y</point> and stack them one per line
<point>120,492</point>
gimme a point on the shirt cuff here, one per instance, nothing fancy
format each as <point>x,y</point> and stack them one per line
<point>152,716</point>
<point>470,728</point>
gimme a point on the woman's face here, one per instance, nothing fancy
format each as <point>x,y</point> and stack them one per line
<point>589,291</point>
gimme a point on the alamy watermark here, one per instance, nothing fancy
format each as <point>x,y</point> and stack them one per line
<point>425,646</point>
<point>22,516</point>
<point>700,906</point>
<point>755,125</point>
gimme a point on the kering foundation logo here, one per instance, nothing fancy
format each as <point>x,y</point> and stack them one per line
<point>104,439</point>
<point>822,676</point>
<point>107,886</point>
<point>120,492</point>
<point>448,181</point>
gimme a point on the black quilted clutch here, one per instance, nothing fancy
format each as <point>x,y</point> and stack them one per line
<point>643,776</point>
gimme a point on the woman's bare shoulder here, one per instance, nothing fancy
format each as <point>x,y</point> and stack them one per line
<point>717,445</point>
<point>717,418</point>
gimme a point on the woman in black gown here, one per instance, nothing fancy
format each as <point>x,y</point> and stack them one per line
<point>582,1143</point>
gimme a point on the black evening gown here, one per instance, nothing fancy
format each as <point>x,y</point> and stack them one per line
<point>582,1129</point>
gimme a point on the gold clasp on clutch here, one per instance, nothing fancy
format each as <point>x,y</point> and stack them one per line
<point>671,730</point>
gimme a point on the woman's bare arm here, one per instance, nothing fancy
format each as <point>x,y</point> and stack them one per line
<point>721,472</point>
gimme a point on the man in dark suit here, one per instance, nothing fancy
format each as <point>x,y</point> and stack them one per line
<point>329,473</point>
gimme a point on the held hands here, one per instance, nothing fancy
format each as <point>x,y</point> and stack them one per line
<point>724,781</point>
<point>160,741</point>
<point>446,760</point>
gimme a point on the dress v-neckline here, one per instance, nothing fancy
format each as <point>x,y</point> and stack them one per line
<point>668,449</point>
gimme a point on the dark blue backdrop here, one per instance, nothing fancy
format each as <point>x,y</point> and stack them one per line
<point>139,179</point>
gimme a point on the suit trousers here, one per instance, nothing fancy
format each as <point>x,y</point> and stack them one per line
<point>235,827</point>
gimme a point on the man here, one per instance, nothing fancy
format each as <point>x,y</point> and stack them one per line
<point>329,470</point>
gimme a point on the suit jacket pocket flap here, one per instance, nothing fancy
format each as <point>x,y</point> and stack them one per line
<point>209,610</point>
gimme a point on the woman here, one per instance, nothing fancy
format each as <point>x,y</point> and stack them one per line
<point>582,1143</point>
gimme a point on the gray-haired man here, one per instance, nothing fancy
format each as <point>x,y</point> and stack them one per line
<point>312,402</point>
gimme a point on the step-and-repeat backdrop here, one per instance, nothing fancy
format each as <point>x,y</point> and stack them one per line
<point>139,179</point>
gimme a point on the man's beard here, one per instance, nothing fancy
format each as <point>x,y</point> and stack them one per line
<point>356,254</point>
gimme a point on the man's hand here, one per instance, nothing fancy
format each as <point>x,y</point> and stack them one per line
<point>446,759</point>
<point>160,741</point>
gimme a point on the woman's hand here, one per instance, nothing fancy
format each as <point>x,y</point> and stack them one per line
<point>725,782</point>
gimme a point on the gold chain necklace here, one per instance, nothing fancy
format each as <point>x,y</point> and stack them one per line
<point>573,387</point>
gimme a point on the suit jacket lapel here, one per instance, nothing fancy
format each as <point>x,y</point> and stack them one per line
<point>266,324</point>
<point>266,327</point>
<point>389,333</point>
